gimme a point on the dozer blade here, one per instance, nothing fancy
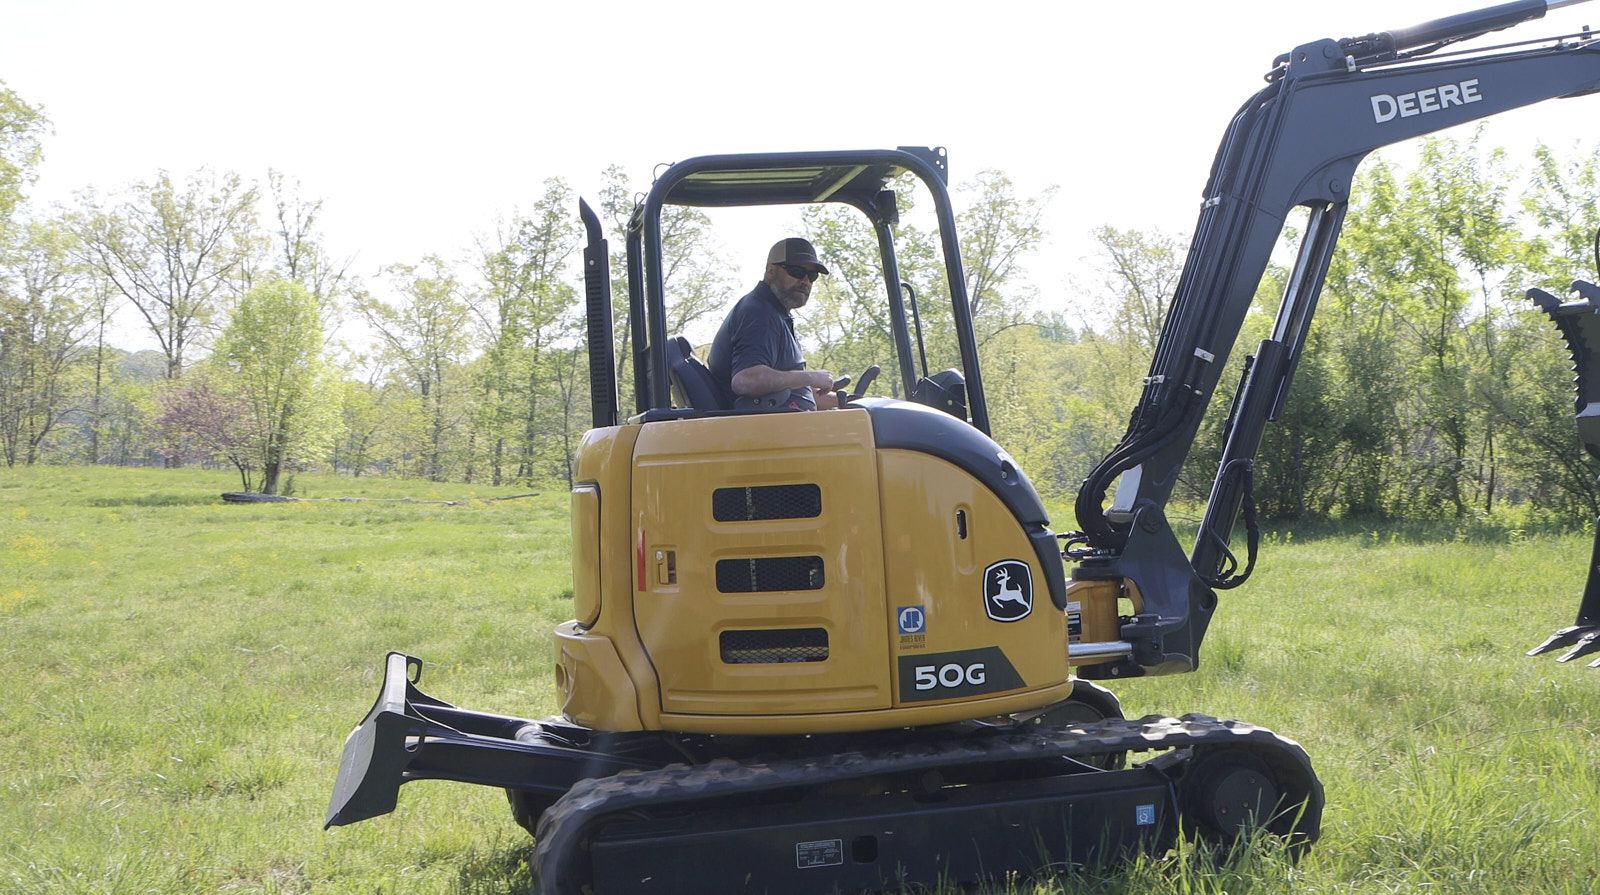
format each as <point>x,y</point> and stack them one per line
<point>362,790</point>
<point>1579,323</point>
<point>409,735</point>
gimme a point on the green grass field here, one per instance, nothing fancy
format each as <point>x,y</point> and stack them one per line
<point>177,677</point>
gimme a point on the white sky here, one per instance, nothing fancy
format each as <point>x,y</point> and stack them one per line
<point>418,124</point>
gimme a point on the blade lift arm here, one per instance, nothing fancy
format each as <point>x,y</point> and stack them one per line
<point>1296,143</point>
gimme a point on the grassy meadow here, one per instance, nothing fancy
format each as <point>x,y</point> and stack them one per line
<point>177,677</point>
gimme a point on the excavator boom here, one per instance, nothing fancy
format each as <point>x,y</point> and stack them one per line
<point>1296,143</point>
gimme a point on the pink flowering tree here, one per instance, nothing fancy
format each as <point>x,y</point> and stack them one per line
<point>199,421</point>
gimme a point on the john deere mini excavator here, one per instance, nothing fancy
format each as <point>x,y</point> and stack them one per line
<point>842,650</point>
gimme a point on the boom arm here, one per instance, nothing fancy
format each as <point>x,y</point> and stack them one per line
<point>1295,143</point>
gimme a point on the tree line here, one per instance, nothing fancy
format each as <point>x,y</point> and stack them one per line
<point>1429,387</point>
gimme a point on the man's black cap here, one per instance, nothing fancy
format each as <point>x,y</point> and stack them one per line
<point>795,250</point>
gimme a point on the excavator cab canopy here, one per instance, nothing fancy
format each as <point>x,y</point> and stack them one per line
<point>858,178</point>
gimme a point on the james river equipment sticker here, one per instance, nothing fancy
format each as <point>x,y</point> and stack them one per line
<point>820,853</point>
<point>913,621</point>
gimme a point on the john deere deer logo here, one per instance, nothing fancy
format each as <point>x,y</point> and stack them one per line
<point>1008,590</point>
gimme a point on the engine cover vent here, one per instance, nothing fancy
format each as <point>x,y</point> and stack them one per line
<point>747,576</point>
<point>774,646</point>
<point>761,502</point>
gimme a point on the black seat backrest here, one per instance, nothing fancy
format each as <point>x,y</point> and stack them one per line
<point>692,384</point>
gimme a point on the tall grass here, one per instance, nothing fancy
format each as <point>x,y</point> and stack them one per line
<point>177,676</point>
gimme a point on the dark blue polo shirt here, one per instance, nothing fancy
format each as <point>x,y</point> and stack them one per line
<point>759,331</point>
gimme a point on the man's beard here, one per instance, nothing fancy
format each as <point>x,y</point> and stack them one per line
<point>794,298</point>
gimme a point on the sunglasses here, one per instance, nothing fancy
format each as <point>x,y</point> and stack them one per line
<point>801,273</point>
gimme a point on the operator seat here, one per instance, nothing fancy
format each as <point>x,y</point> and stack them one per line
<point>692,384</point>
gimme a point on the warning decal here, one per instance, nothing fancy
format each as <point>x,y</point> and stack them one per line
<point>819,853</point>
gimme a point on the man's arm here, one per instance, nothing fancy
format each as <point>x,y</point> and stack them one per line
<point>761,379</point>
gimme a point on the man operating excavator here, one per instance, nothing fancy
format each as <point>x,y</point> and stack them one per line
<point>756,355</point>
<point>849,652</point>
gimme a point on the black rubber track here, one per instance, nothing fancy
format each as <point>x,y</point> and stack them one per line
<point>563,866</point>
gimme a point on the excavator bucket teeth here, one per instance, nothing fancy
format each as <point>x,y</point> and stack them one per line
<point>1588,643</point>
<point>1562,639</point>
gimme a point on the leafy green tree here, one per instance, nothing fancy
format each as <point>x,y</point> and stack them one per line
<point>298,253</point>
<point>102,303</point>
<point>1057,422</point>
<point>176,251</point>
<point>998,229</point>
<point>1563,202</point>
<point>569,374</point>
<point>618,200</point>
<point>360,421</point>
<point>1563,199</point>
<point>1141,271</point>
<point>43,321</point>
<point>849,323</point>
<point>1544,462</point>
<point>1469,232</point>
<point>694,274</point>
<point>126,432</point>
<point>272,347</point>
<point>424,337</point>
<point>523,310</point>
<point>1360,317</point>
<point>22,129</point>
<point>1412,438</point>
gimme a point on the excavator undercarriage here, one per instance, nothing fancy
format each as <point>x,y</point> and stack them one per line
<point>1071,784</point>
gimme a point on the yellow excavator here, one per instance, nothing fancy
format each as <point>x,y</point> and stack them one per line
<point>845,650</point>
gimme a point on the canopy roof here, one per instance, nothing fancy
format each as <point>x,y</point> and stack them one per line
<point>790,178</point>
